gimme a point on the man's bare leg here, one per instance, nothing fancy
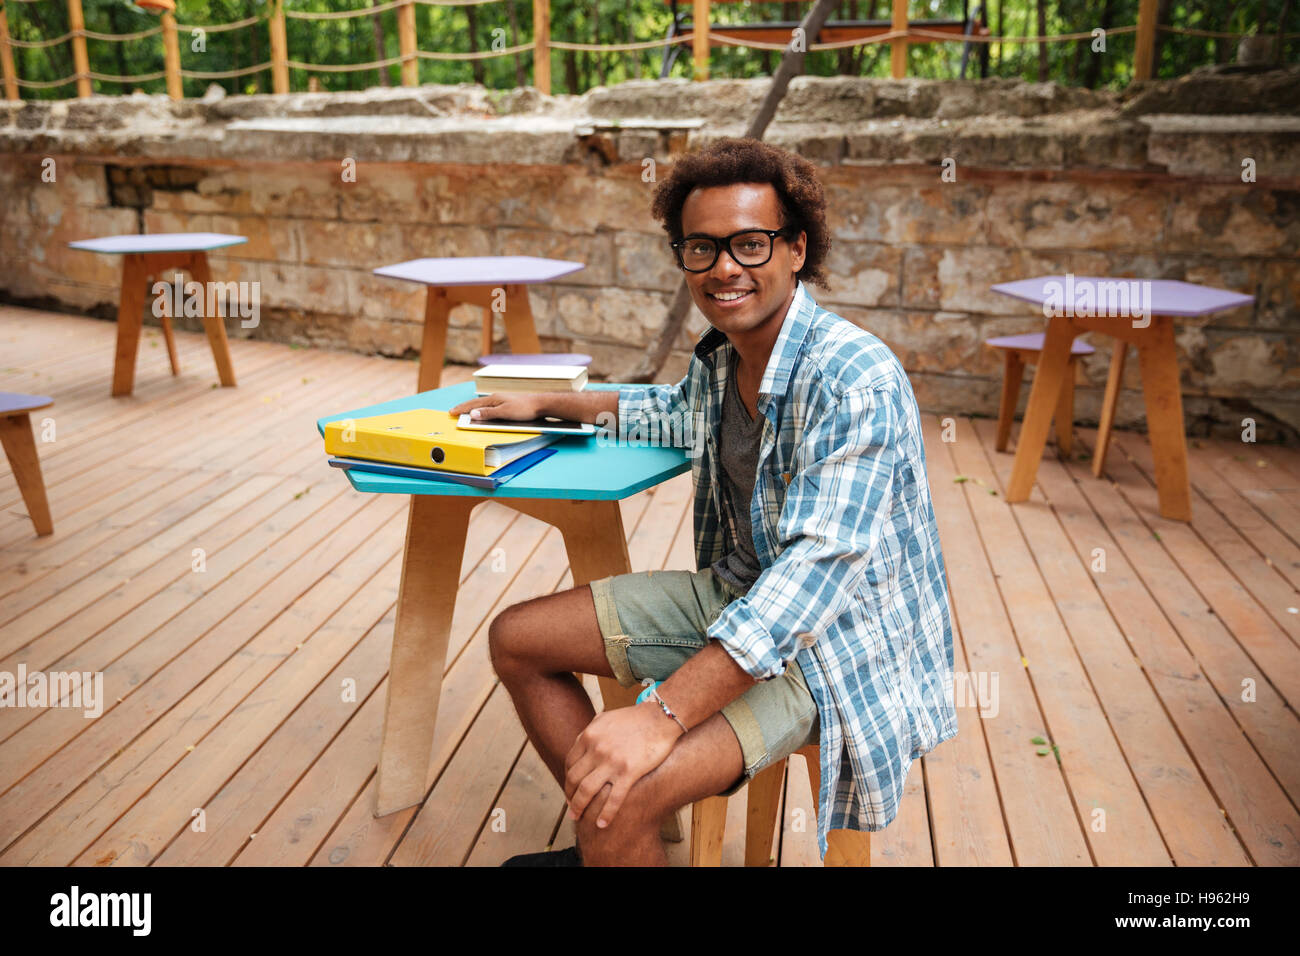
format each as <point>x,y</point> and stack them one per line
<point>703,763</point>
<point>536,646</point>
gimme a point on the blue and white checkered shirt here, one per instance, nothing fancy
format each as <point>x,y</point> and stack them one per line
<point>852,577</point>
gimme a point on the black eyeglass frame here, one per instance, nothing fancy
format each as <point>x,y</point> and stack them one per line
<point>724,242</point>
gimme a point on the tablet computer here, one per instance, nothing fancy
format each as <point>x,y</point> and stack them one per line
<point>552,425</point>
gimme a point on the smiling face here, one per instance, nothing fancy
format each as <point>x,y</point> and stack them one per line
<point>767,290</point>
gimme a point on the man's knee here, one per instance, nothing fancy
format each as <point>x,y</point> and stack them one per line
<point>506,641</point>
<point>641,814</point>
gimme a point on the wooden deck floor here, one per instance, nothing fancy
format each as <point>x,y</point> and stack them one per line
<point>1161,660</point>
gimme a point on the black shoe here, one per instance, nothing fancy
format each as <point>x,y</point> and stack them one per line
<point>569,857</point>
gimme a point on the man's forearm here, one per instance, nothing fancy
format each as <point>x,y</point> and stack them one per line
<point>705,684</point>
<point>582,406</point>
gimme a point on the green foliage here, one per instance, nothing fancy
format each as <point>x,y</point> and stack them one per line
<point>448,29</point>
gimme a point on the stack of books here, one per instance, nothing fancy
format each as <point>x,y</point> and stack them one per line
<point>530,378</point>
<point>425,443</point>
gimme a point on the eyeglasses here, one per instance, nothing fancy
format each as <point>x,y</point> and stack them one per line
<point>749,247</point>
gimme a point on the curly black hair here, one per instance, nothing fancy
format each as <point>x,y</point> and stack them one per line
<point>747,160</point>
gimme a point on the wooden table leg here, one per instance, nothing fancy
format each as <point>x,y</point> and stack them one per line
<point>521,331</point>
<point>1114,381</point>
<point>129,320</point>
<point>1162,392</point>
<point>1064,421</point>
<point>435,548</point>
<point>20,446</point>
<point>1012,375</point>
<point>214,325</point>
<point>171,344</point>
<point>433,346</point>
<point>1053,363</point>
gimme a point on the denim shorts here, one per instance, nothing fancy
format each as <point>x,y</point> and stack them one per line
<point>654,621</point>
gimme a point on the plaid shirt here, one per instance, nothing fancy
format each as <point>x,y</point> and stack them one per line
<point>852,578</point>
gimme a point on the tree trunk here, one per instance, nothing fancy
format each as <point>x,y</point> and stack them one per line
<point>476,66</point>
<point>631,63</point>
<point>1001,23</point>
<point>844,57</point>
<point>521,77</point>
<point>119,48</point>
<point>1093,72</point>
<point>381,50</point>
<point>1042,47</point>
<point>1162,16</point>
<point>595,38</point>
<point>792,64</point>
<point>571,70</point>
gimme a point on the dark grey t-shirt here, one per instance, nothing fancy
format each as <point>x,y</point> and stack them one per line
<point>740,440</point>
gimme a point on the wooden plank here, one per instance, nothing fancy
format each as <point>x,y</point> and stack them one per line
<point>1184,808</point>
<point>1277,550</point>
<point>444,830</point>
<point>1266,721</point>
<point>139,835</point>
<point>214,672</point>
<point>1090,757</point>
<point>233,815</point>
<point>1219,569</point>
<point>30,612</point>
<point>102,630</point>
<point>964,787</point>
<point>1259,811</point>
<point>1265,490</point>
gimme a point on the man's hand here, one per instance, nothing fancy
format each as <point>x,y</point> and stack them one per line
<point>511,406</point>
<point>618,747</point>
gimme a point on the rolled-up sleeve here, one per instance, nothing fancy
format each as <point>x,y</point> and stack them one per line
<point>836,509</point>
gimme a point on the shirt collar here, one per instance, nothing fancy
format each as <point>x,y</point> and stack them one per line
<point>780,364</point>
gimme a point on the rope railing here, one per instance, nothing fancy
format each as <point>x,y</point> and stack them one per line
<point>898,36</point>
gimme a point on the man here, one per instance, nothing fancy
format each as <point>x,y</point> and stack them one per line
<point>819,609</point>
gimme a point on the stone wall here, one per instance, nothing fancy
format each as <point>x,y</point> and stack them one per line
<point>1048,180</point>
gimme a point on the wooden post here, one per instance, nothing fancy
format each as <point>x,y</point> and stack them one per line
<point>77,24</point>
<point>406,43</point>
<point>700,39</point>
<point>172,58</point>
<point>542,46</point>
<point>279,49</point>
<point>7,58</point>
<point>1143,60</point>
<point>898,47</point>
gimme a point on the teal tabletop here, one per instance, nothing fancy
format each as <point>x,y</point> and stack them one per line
<point>583,468</point>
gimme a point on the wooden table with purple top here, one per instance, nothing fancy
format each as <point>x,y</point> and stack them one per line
<point>1146,323</point>
<point>148,256</point>
<point>475,280</point>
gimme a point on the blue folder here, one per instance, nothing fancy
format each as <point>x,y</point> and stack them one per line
<point>491,482</point>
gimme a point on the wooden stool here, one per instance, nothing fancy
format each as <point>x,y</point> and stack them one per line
<point>709,822</point>
<point>19,444</point>
<point>1022,350</point>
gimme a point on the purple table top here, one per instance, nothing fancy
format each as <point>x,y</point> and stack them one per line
<point>480,270</point>
<point>1034,340</point>
<point>159,242</point>
<point>12,402</point>
<point>1167,296</point>
<point>544,358</point>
